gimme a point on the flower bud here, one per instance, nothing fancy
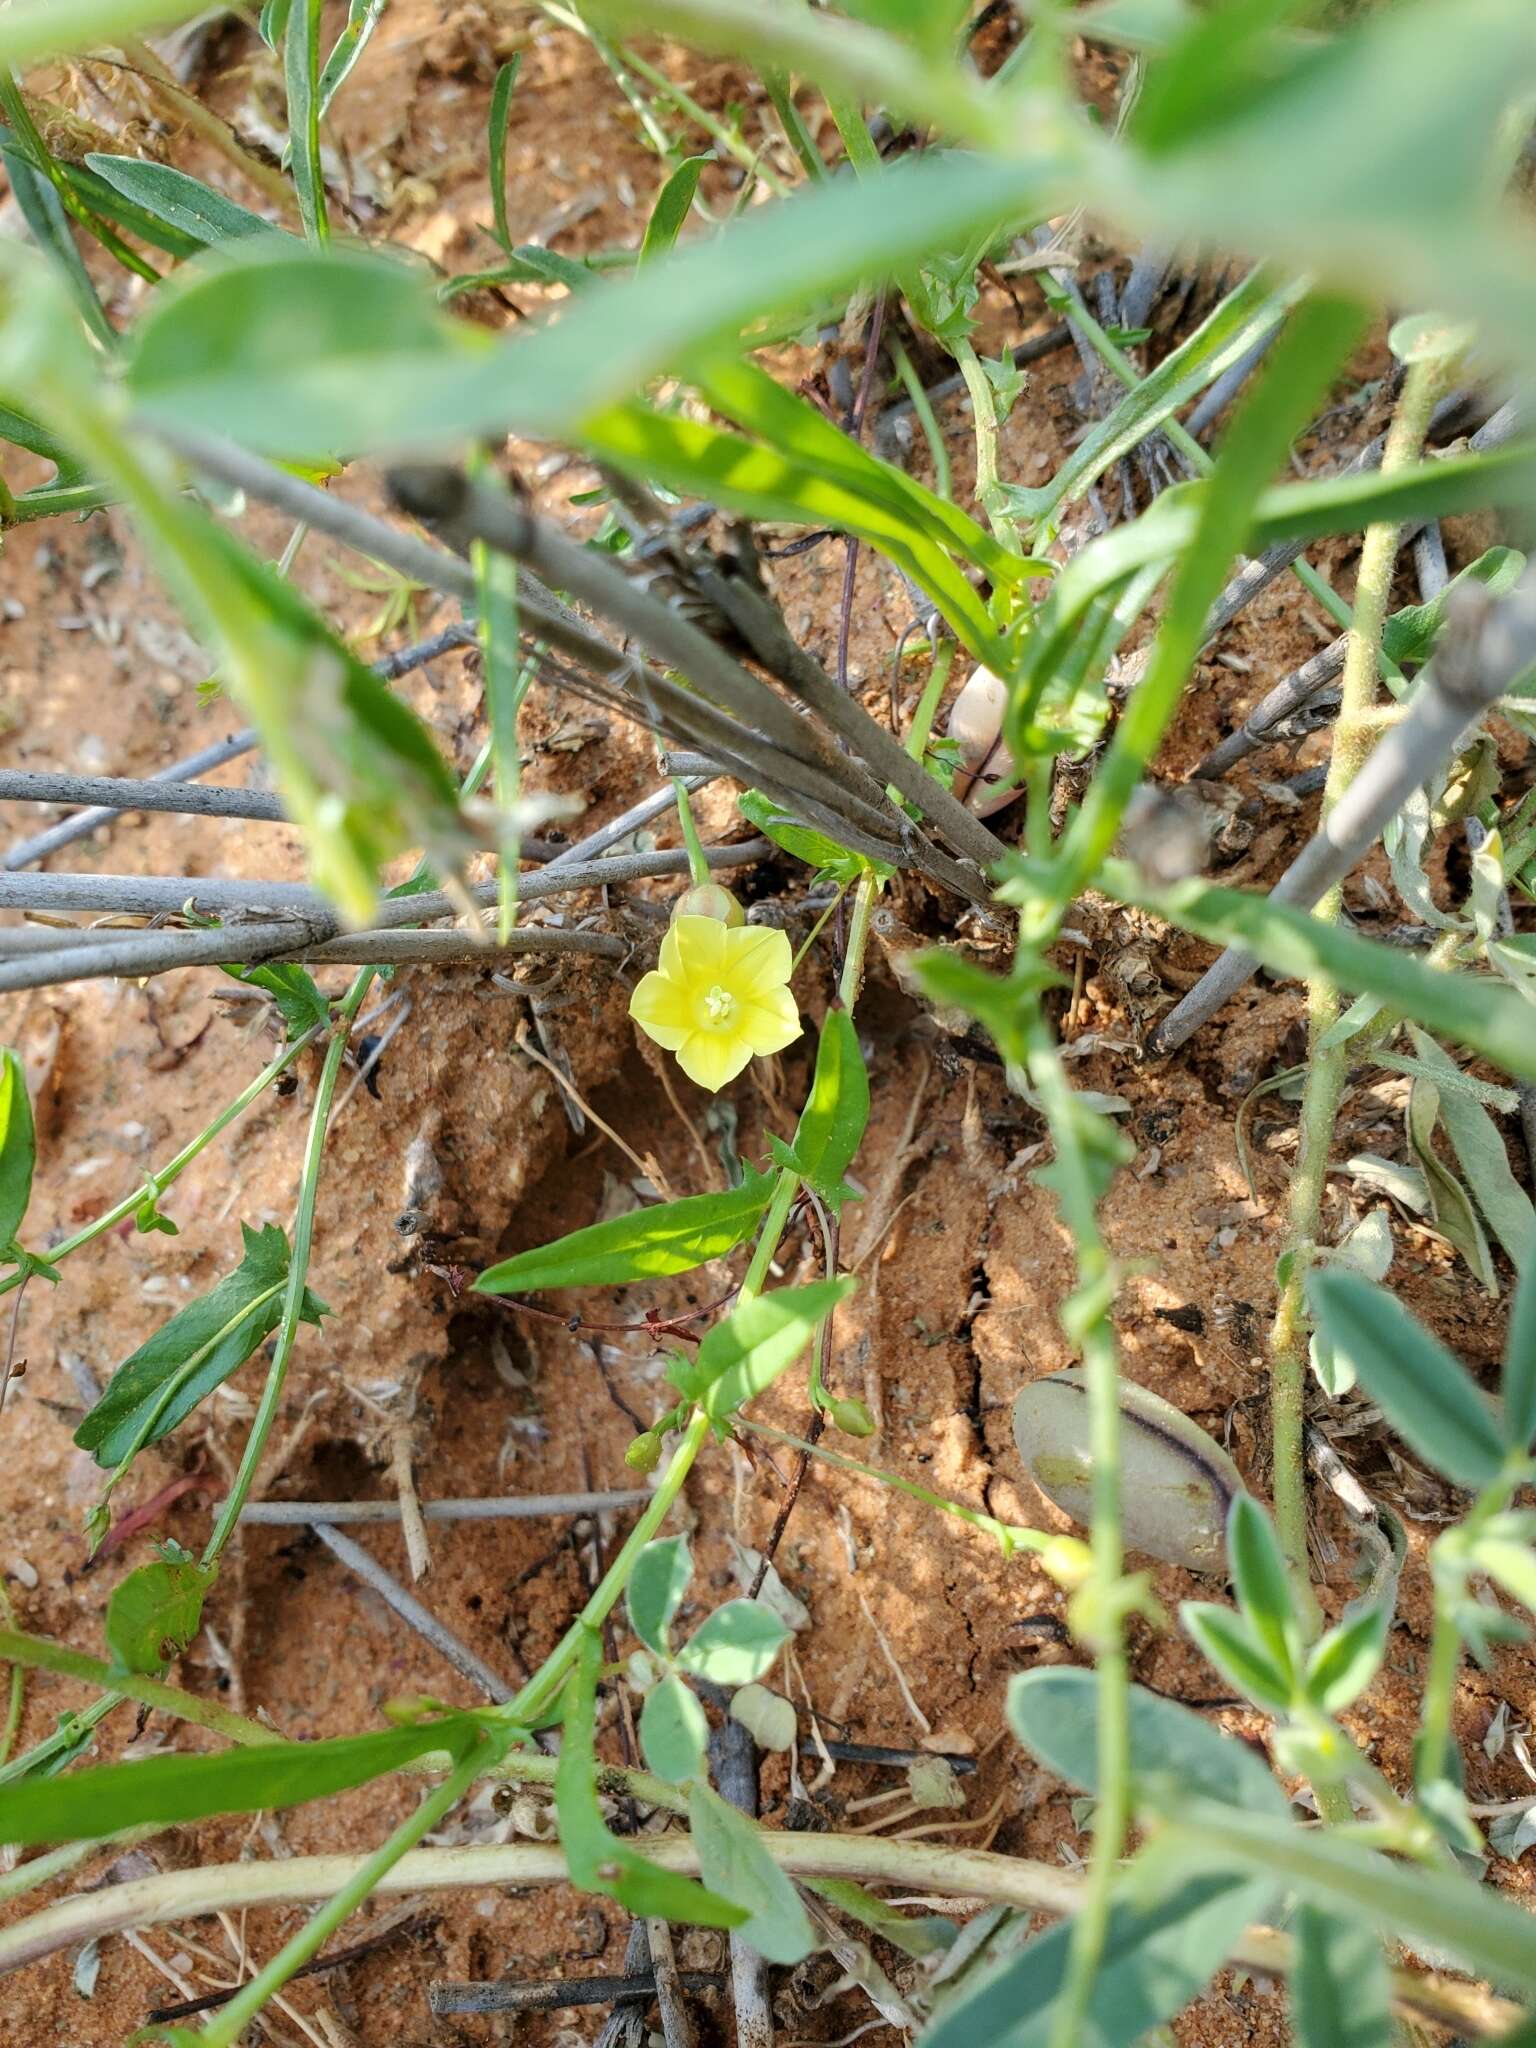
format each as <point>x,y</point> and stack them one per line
<point>644,1453</point>
<point>851,1417</point>
<point>709,899</point>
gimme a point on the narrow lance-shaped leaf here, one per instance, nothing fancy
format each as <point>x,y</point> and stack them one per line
<point>672,1237</point>
<point>836,1112</point>
<point>501,109</point>
<point>671,208</point>
<point>164,1791</point>
<point>1479,1148</point>
<point>1244,1659</point>
<point>362,20</point>
<point>598,1860</point>
<point>301,71</point>
<point>1419,1386</point>
<point>742,1356</point>
<point>18,1149</point>
<point>182,201</point>
<point>246,1305</point>
<point>1520,1366</point>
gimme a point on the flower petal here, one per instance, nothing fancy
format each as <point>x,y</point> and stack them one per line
<point>661,1008</point>
<point>769,1022</point>
<point>698,945</point>
<point>758,959</point>
<point>712,1058</point>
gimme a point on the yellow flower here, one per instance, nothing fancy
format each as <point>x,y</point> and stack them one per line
<point>718,998</point>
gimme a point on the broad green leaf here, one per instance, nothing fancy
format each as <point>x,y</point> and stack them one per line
<point>1157,1957</point>
<point>501,109</point>
<point>836,1112</point>
<point>1410,634</point>
<point>32,29</point>
<point>673,1732</point>
<point>673,1237</point>
<point>1421,1389</point>
<point>1510,1564</point>
<point>336,349</point>
<point>1228,1641</point>
<point>671,208</point>
<point>1465,1008</point>
<point>163,1791</point>
<point>1348,1657</point>
<point>1438,1908</point>
<point>656,1588</point>
<point>1451,1208</point>
<point>1505,1205</point>
<point>362,20</point>
<point>159,1385</point>
<point>301,73</point>
<point>1174,1753</point>
<point>735,1864</point>
<point>1519,1386</point>
<point>18,1148</point>
<point>735,1645</point>
<point>598,1860</point>
<point>742,1356</point>
<point>1341,1996</point>
<point>1262,1584</point>
<point>183,202</point>
<point>155,1612</point>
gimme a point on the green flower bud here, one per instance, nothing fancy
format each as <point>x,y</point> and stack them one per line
<point>709,899</point>
<point>644,1453</point>
<point>851,1417</point>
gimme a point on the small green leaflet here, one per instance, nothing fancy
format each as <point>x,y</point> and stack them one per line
<point>656,1588</point>
<point>152,1390</point>
<point>1419,1386</point>
<point>758,1340</point>
<point>736,1645</point>
<point>671,208</point>
<point>598,1860</point>
<point>833,1121</point>
<point>155,1612</point>
<point>737,1866</point>
<point>673,1237</point>
<point>165,1790</point>
<point>362,20</point>
<point>180,201</point>
<point>299,1001</point>
<point>673,1731</point>
<point>1340,1992</point>
<point>18,1150</point>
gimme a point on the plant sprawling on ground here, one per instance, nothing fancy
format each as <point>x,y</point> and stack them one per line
<point>1347,164</point>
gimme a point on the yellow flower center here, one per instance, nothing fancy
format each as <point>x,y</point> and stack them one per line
<point>719,1006</point>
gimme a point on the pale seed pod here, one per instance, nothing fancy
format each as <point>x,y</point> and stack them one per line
<point>1176,1483</point>
<point>710,899</point>
<point>984,776</point>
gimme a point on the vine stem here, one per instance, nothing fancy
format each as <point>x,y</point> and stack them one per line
<point>1087,1317</point>
<point>298,1268</point>
<point>1328,1065</point>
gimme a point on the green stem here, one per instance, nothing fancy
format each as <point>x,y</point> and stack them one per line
<point>1010,1536</point>
<point>543,1688</point>
<point>780,1203</point>
<point>156,1185</point>
<point>39,1653</point>
<point>1087,1317</point>
<point>815,933</point>
<point>232,2021</point>
<point>298,1268</point>
<point>858,938</point>
<point>701,117</point>
<point>62,1740</point>
<point>1328,1065</point>
<point>698,866</point>
<point>990,492</point>
<point>922,407</point>
<point>796,134</point>
<point>928,704</point>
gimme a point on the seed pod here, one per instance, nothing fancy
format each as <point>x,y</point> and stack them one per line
<point>976,726</point>
<point>710,899</point>
<point>1176,1483</point>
